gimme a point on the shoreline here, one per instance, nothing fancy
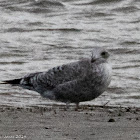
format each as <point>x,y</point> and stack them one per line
<point>57,123</point>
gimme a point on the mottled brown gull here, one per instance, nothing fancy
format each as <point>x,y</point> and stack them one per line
<point>80,81</point>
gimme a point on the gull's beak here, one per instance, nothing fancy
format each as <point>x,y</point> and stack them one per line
<point>93,58</point>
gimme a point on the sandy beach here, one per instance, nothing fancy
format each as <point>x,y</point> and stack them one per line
<point>56,123</point>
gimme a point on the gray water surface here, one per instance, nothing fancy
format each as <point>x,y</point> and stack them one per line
<point>36,35</point>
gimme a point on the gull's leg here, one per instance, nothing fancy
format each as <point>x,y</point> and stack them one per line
<point>77,107</point>
<point>41,110</point>
<point>67,105</point>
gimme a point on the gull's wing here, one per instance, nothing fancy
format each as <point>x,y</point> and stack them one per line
<point>44,81</point>
<point>73,91</point>
<point>81,89</point>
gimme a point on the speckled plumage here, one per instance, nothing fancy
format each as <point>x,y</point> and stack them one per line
<point>75,82</point>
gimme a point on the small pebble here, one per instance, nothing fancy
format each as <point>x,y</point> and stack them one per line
<point>66,134</point>
<point>129,118</point>
<point>111,110</point>
<point>128,109</point>
<point>111,120</point>
<point>137,119</point>
<point>119,114</point>
<point>47,128</point>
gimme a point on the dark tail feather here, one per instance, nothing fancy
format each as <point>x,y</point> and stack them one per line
<point>12,82</point>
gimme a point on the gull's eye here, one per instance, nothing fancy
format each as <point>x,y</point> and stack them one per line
<point>105,54</point>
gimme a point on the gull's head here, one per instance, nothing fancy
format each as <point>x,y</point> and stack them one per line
<point>99,54</point>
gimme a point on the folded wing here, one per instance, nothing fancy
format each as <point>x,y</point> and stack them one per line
<point>49,80</point>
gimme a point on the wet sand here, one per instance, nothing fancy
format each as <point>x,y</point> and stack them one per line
<point>88,123</point>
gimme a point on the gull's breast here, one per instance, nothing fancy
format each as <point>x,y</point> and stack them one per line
<point>107,72</point>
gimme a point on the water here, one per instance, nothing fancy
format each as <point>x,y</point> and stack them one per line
<point>36,35</point>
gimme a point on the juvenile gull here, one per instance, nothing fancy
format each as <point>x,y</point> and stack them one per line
<point>83,80</point>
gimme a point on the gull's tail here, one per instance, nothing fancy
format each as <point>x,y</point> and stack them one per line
<point>12,82</point>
